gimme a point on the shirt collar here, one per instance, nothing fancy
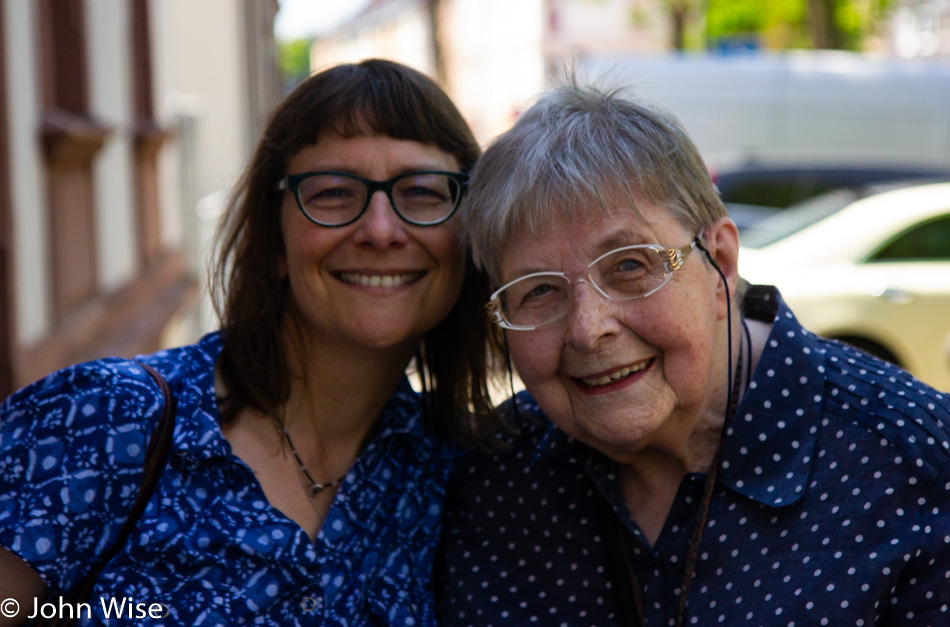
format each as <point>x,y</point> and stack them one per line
<point>769,447</point>
<point>198,433</point>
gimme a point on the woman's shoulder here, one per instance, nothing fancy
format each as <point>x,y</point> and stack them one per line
<point>873,387</point>
<point>107,404</point>
<point>183,365</point>
<point>71,398</point>
<point>900,411</point>
<point>72,445</point>
<point>525,426</point>
<point>854,390</point>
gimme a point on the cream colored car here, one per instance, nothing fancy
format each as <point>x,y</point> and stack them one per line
<point>874,272</point>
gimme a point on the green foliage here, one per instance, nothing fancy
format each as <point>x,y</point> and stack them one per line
<point>855,20</point>
<point>785,23</point>
<point>731,17</point>
<point>776,24</point>
<point>293,58</point>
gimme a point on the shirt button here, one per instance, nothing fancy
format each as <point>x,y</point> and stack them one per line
<point>308,604</point>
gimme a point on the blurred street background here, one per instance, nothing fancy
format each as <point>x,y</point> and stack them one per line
<point>124,124</point>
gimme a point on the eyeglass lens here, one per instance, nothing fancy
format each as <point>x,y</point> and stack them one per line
<point>419,198</point>
<point>623,274</point>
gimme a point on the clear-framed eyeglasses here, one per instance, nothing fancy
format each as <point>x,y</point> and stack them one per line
<point>622,274</point>
<point>425,198</point>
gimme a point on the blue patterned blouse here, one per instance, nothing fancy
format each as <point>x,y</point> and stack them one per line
<point>831,507</point>
<point>210,548</point>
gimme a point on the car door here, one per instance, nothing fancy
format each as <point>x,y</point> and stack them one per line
<point>911,275</point>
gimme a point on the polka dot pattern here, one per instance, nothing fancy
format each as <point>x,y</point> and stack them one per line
<point>830,508</point>
<point>209,545</point>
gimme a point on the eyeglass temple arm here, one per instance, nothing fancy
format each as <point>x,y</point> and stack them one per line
<point>494,311</point>
<point>676,257</point>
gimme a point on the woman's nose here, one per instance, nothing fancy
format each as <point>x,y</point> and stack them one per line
<point>379,225</point>
<point>592,318</point>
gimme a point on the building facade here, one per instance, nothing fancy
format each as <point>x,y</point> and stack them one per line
<point>116,118</point>
<point>920,28</point>
<point>494,56</point>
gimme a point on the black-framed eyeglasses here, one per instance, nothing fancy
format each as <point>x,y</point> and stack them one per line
<point>621,274</point>
<point>425,198</point>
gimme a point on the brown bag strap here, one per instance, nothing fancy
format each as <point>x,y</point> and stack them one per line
<point>156,456</point>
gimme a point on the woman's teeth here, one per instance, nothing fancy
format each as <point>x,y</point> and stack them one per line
<point>616,376</point>
<point>376,280</point>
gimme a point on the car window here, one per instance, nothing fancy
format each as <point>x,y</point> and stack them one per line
<point>769,191</point>
<point>928,241</point>
<point>794,219</point>
<point>784,187</point>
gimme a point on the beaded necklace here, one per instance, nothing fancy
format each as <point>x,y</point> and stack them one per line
<point>314,487</point>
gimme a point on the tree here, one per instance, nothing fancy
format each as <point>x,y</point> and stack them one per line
<point>821,21</point>
<point>837,24</point>
<point>681,13</point>
<point>293,57</point>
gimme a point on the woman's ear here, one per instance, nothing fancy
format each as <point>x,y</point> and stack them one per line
<point>721,239</point>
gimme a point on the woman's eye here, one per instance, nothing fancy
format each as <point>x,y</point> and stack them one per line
<point>329,196</point>
<point>540,290</point>
<point>538,295</point>
<point>424,189</point>
<point>628,265</point>
<point>421,193</point>
<point>624,273</point>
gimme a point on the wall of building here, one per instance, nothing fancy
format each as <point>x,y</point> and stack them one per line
<point>496,55</point>
<point>398,30</point>
<point>494,62</point>
<point>212,80</point>
<point>30,309</point>
<point>107,23</point>
<point>920,28</point>
<point>575,28</point>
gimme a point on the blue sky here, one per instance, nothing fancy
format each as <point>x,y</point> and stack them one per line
<point>307,18</point>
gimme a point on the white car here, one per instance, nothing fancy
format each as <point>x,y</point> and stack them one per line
<point>874,272</point>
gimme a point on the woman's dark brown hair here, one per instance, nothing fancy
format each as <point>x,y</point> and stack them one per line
<point>252,299</point>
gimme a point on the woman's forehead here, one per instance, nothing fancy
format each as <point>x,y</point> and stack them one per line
<point>581,236</point>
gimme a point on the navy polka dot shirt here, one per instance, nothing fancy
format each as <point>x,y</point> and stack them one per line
<point>831,507</point>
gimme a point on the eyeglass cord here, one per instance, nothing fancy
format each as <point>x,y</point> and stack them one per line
<point>732,403</point>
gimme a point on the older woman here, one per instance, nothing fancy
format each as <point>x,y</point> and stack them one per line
<point>686,452</point>
<point>306,477</point>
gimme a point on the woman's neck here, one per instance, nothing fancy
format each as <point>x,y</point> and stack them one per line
<point>340,390</point>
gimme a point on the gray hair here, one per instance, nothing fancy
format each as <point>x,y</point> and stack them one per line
<point>580,149</point>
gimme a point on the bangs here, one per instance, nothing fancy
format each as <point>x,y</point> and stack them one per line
<point>558,199</point>
<point>375,98</point>
<point>552,184</point>
<point>377,112</point>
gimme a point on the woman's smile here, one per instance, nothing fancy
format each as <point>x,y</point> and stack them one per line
<point>615,378</point>
<point>385,280</point>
